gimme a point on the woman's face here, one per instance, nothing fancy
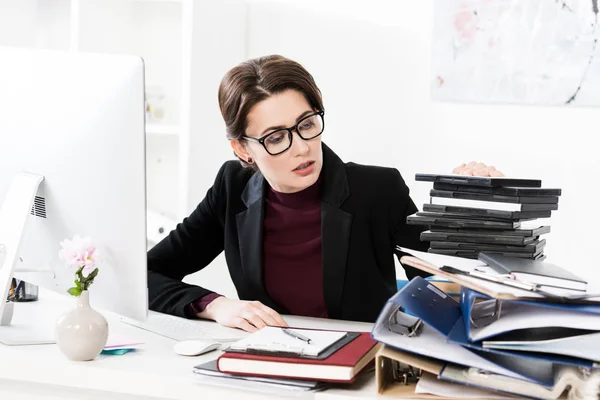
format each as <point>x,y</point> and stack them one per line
<point>299,166</point>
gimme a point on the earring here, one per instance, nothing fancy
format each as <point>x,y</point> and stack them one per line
<point>249,160</point>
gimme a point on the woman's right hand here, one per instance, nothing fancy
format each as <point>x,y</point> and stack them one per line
<point>247,315</point>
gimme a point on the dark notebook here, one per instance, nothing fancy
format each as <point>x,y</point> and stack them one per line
<point>210,369</point>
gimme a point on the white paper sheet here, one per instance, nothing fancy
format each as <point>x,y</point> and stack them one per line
<point>439,260</point>
<point>429,383</point>
<point>523,316</point>
<point>272,338</point>
<point>582,346</point>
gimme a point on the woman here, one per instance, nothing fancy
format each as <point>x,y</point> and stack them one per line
<point>303,232</point>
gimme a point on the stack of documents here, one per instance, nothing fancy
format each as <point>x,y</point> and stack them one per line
<point>300,354</point>
<point>467,215</point>
<point>498,337</point>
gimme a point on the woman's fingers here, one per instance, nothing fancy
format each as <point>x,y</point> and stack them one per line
<point>247,315</point>
<point>483,171</point>
<point>267,314</point>
<point>458,169</point>
<point>279,321</point>
<point>478,166</point>
<point>252,317</point>
<point>241,323</point>
<point>466,169</point>
<point>475,168</point>
<point>266,317</point>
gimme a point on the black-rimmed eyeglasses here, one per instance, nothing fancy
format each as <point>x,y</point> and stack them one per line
<point>278,141</point>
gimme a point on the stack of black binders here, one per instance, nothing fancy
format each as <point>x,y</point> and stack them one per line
<point>467,215</point>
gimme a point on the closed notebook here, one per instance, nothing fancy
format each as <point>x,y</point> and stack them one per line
<point>540,272</point>
<point>342,366</point>
<point>210,369</point>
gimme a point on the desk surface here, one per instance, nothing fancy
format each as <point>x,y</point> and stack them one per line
<point>155,372</point>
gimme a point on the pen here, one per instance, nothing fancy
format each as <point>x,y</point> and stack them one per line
<point>296,335</point>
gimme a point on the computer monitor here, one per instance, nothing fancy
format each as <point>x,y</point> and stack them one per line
<point>72,156</point>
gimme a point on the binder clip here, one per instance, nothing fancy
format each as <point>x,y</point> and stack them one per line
<point>485,312</point>
<point>404,373</point>
<point>403,324</point>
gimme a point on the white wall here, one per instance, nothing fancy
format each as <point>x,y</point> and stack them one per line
<point>371,61</point>
<point>218,43</point>
<point>34,23</point>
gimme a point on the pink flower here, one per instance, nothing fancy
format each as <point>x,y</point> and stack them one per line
<point>89,261</point>
<point>79,252</point>
<point>82,254</point>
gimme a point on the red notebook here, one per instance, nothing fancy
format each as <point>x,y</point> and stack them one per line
<point>342,366</point>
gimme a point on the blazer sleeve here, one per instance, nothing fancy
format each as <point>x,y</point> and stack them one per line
<point>190,247</point>
<point>403,234</point>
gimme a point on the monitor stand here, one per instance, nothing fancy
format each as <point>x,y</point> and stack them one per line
<point>13,217</point>
<point>34,322</point>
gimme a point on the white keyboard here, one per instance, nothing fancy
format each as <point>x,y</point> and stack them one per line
<point>184,329</point>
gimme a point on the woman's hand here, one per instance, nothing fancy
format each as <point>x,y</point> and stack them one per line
<point>475,168</point>
<point>247,315</point>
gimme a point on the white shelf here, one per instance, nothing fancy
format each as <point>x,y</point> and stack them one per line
<point>175,38</point>
<point>163,129</point>
<point>159,226</point>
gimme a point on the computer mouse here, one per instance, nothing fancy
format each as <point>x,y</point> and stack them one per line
<point>195,347</point>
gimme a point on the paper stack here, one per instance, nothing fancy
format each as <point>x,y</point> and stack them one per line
<point>500,339</point>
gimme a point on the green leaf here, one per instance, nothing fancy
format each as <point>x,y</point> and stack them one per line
<point>74,291</point>
<point>92,275</point>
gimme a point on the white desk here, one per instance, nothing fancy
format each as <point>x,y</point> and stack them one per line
<point>156,372</point>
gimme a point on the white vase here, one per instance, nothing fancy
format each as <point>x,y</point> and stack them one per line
<point>81,334</point>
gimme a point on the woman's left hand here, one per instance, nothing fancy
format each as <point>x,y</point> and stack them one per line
<point>475,168</point>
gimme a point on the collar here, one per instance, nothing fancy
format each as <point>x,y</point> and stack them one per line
<point>334,188</point>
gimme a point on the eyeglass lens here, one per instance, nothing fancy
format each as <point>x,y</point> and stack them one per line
<point>281,140</point>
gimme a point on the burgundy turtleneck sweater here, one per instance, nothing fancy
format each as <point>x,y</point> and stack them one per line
<point>292,251</point>
<point>292,263</point>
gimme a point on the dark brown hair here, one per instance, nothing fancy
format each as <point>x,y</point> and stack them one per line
<point>256,80</point>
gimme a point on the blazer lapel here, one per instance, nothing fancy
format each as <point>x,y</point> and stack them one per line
<point>250,237</point>
<point>335,230</point>
<point>335,233</point>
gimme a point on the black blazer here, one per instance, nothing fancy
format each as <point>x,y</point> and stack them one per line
<point>363,218</point>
